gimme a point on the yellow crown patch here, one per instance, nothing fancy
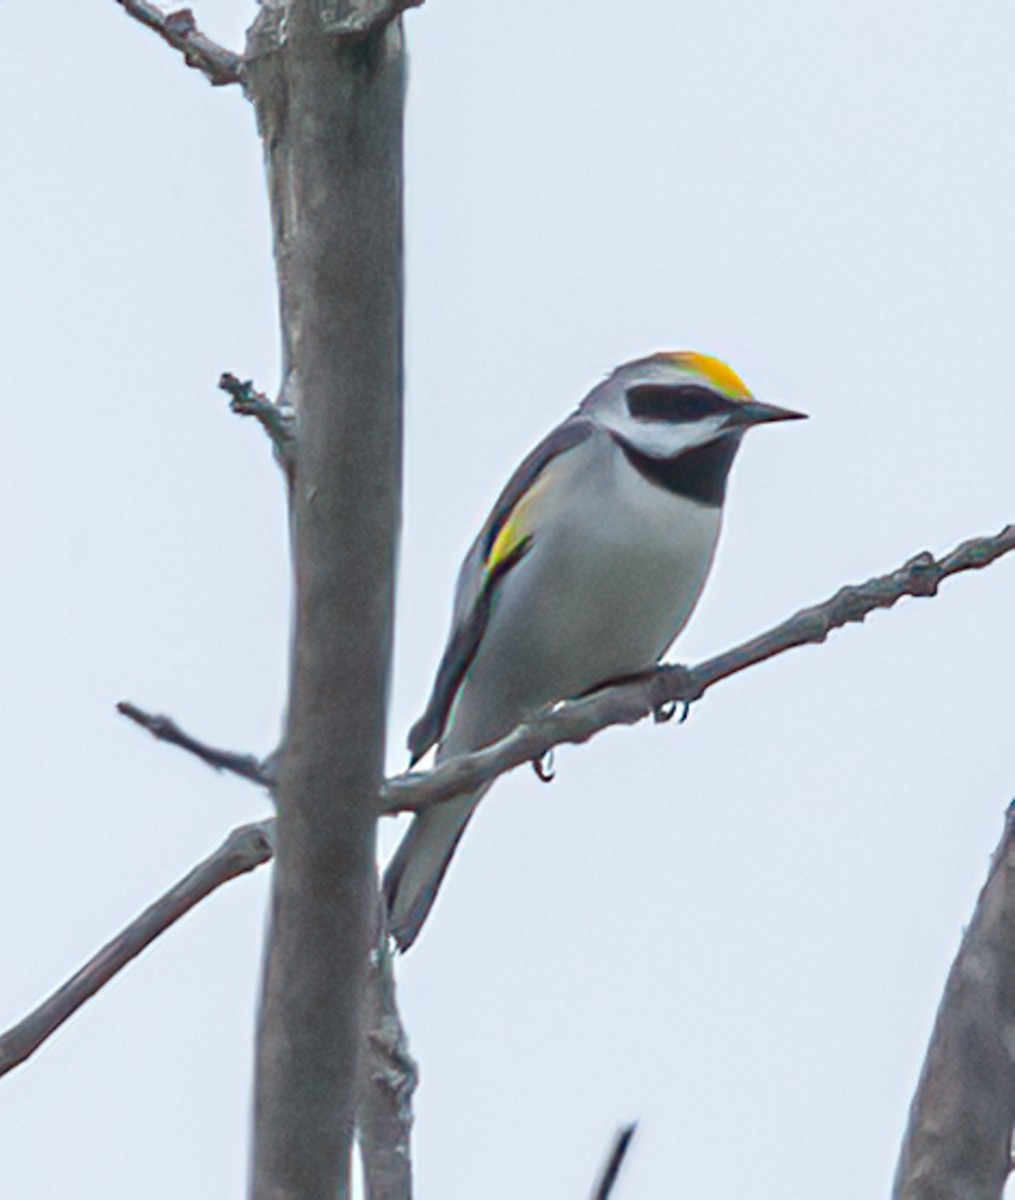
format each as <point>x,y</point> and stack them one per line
<point>715,372</point>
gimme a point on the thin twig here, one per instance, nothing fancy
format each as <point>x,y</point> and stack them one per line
<point>627,703</point>
<point>243,850</point>
<point>277,420</point>
<point>179,29</point>
<point>611,1169</point>
<point>165,729</point>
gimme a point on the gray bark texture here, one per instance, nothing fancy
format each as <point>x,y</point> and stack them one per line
<point>329,109</point>
<point>957,1145</point>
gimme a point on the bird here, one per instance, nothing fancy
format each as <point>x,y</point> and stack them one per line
<point>586,569</point>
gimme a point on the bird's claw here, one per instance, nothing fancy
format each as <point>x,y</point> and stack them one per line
<point>666,710</point>
<point>543,767</point>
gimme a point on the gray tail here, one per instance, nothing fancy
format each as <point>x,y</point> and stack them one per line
<point>415,873</point>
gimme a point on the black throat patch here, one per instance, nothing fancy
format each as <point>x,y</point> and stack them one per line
<point>699,474</point>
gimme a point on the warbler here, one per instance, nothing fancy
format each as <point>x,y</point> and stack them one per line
<point>586,569</point>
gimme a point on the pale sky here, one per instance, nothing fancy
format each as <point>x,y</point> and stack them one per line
<point>736,930</point>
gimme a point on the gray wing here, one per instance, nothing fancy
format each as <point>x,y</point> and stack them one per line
<point>476,586</point>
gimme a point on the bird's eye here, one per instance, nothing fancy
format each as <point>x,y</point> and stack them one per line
<point>683,403</point>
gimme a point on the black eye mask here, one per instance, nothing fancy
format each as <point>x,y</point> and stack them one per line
<point>679,404</point>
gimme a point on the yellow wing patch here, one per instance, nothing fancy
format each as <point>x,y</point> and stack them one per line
<point>715,372</point>
<point>518,527</point>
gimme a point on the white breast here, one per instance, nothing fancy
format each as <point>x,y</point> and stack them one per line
<point>616,566</point>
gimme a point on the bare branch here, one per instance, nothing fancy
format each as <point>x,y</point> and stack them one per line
<point>243,850</point>
<point>618,1152</point>
<point>165,729</point>
<point>630,702</point>
<point>962,1019</point>
<point>958,1140</point>
<point>388,1079</point>
<point>278,420</point>
<point>179,29</point>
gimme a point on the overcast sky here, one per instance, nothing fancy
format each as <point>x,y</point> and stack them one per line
<point>735,930</point>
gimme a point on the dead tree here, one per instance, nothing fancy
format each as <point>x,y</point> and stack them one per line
<point>326,79</point>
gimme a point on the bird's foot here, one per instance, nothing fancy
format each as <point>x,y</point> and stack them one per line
<point>543,767</point>
<point>667,679</point>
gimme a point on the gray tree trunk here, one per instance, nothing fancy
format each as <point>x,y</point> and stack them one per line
<point>329,109</point>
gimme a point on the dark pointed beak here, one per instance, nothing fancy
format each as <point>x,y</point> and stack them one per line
<point>753,412</point>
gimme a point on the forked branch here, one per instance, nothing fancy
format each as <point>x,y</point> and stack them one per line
<point>574,721</point>
<point>179,30</point>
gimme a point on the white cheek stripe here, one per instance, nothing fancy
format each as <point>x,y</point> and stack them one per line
<point>664,439</point>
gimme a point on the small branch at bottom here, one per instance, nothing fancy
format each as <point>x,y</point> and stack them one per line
<point>179,30</point>
<point>388,1079</point>
<point>165,729</point>
<point>611,1169</point>
<point>244,849</point>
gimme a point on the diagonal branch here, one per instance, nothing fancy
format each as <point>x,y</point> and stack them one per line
<point>389,1072</point>
<point>958,1140</point>
<point>179,30</point>
<point>611,1169</point>
<point>244,849</point>
<point>165,729</point>
<point>656,693</point>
